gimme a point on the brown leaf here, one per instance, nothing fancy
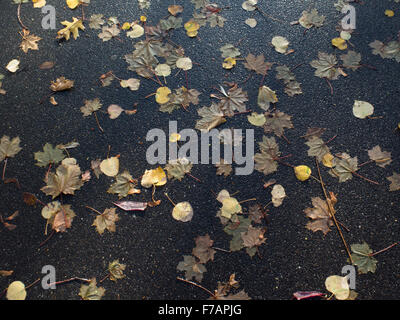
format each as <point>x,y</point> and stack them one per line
<point>395,181</point>
<point>106,220</point>
<point>276,121</point>
<point>203,249</point>
<point>29,41</point>
<point>5,273</point>
<point>47,65</point>
<point>381,158</point>
<point>253,237</point>
<point>257,64</point>
<point>234,100</point>
<point>321,218</point>
<point>223,168</point>
<point>61,84</point>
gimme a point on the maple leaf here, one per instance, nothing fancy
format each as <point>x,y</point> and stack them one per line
<point>284,73</point>
<point>106,220</point>
<point>91,291</point>
<point>178,168</point>
<point>96,21</point>
<point>317,147</point>
<point>61,84</point>
<point>321,218</point>
<point>311,19</point>
<point>192,268</point>
<point>203,250</point>
<point>256,213</point>
<point>212,117</point>
<point>223,168</point>
<point>235,229</point>
<point>29,41</point>
<point>116,270</point>
<point>351,60</point>
<point>361,256</point>
<point>49,155</point>
<point>58,216</point>
<point>9,148</point>
<point>223,291</point>
<point>234,99</point>
<point>390,50</point>
<point>253,238</point>
<point>344,167</point>
<point>229,51</point>
<point>170,23</point>
<point>109,32</point>
<point>265,161</point>
<point>381,158</point>
<point>395,181</point>
<point>73,27</point>
<point>65,180</point>
<point>292,88</point>
<point>91,106</point>
<point>124,185</point>
<point>276,121</point>
<point>257,64</point>
<point>266,96</point>
<point>326,66</point>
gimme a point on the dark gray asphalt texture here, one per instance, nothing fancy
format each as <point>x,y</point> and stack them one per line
<point>152,243</point>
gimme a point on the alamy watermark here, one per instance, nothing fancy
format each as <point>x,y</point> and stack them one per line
<point>349,20</point>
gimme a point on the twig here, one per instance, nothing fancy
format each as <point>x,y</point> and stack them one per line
<point>380,251</point>
<point>4,168</point>
<point>32,284</point>
<point>166,194</point>
<point>193,177</point>
<point>329,83</point>
<point>252,199</point>
<point>197,285</point>
<point>220,249</point>
<point>331,139</point>
<point>19,17</point>
<point>331,212</point>
<point>98,123</point>
<point>93,209</point>
<point>69,280</point>
<point>104,278</point>
<point>48,238</point>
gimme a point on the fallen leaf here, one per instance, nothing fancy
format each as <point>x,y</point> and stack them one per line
<point>29,41</point>
<point>91,291</point>
<point>116,270</point>
<point>320,216</point>
<point>61,84</point>
<point>362,259</point>
<point>13,65</point>
<point>114,111</point>
<point>278,194</point>
<point>131,205</point>
<point>183,211</point>
<point>203,250</point>
<point>339,286</point>
<point>73,27</point>
<point>16,291</point>
<point>106,220</point>
<point>362,109</point>
<point>280,43</point>
<point>395,181</point>
<point>110,166</point>
<point>192,268</point>
<point>381,158</point>
<point>302,172</point>
<point>50,155</point>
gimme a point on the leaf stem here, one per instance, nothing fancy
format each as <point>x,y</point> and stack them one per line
<point>93,209</point>
<point>197,285</point>
<point>166,194</point>
<point>383,250</point>
<point>98,123</point>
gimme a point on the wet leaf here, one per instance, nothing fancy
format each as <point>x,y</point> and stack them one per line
<point>257,64</point>
<point>252,23</point>
<point>223,168</point>
<point>326,66</point>
<point>91,291</point>
<point>13,65</point>
<point>256,119</point>
<point>106,220</point>
<point>170,23</point>
<point>184,63</point>
<point>61,84</point>
<point>253,238</point>
<point>395,181</point>
<point>108,33</point>
<point>276,122</point>
<point>91,106</point>
<point>302,172</point>
<point>362,109</point>
<point>175,9</point>
<point>110,166</point>
<point>266,96</point>
<point>6,273</point>
<point>124,185</point>
<point>29,41</point>
<point>212,117</point>
<point>351,60</point>
<point>9,148</point>
<point>192,28</point>
<point>235,229</point>
<point>162,95</point>
<point>136,32</point>
<point>229,51</point>
<point>66,179</point>
<point>320,216</point>
<point>49,155</point>
<point>192,268</point>
<point>362,259</point>
<point>177,169</point>
<point>156,177</point>
<point>59,216</point>
<point>16,291</point>
<point>203,250</point>
<point>265,161</point>
<point>280,43</point>
<point>96,21</point>
<point>381,158</point>
<point>339,286</point>
<point>183,211</point>
<point>339,43</point>
<point>344,167</point>
<point>234,100</point>
<point>116,270</point>
<point>317,148</point>
<point>311,19</point>
<point>73,27</point>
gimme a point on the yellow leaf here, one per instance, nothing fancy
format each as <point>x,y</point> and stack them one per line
<point>126,26</point>
<point>156,177</point>
<point>73,27</point>
<point>338,286</point>
<point>191,28</point>
<point>143,18</point>
<point>162,95</point>
<point>229,63</point>
<point>174,137</point>
<point>339,43</point>
<point>327,160</point>
<point>183,211</point>
<point>302,172</point>
<point>16,291</point>
<point>72,4</point>
<point>389,13</point>
<point>39,3</point>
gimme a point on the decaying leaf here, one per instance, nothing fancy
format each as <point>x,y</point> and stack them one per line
<point>321,218</point>
<point>233,100</point>
<point>108,33</point>
<point>212,117</point>
<point>361,256</point>
<point>91,291</point>
<point>362,109</point>
<point>326,66</point>
<point>266,96</point>
<point>124,185</point>
<point>229,51</point>
<point>49,155</point>
<point>203,250</point>
<point>96,21</point>
<point>61,84</point>
<point>235,229</point>
<point>339,286</point>
<point>395,181</point>
<point>278,194</point>
<point>182,211</point>
<point>311,19</point>
<point>73,27</point>
<point>381,158</point>
<point>344,167</point>
<point>257,64</point>
<point>29,41</point>
<point>154,177</point>
<point>276,122</point>
<point>223,168</point>
<point>16,291</point>
<point>252,239</point>
<point>265,161</point>
<point>280,43</point>
<point>116,270</point>
<point>9,148</point>
<point>91,106</point>
<point>58,216</point>
<point>131,205</point>
<point>317,147</point>
<point>178,168</point>
<point>106,220</point>
<point>192,268</point>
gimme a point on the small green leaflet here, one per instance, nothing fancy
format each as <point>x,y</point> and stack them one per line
<point>362,258</point>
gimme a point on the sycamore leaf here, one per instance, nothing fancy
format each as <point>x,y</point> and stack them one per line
<point>266,96</point>
<point>276,122</point>
<point>395,181</point>
<point>223,168</point>
<point>234,99</point>
<point>96,21</point>
<point>317,147</point>
<point>265,161</point>
<point>124,185</point>
<point>212,117</point>
<point>203,250</point>
<point>229,51</point>
<point>178,168</point>
<point>49,155</point>
<point>66,179</point>
<point>91,106</point>
<point>9,148</point>
<point>381,158</point>
<point>344,167</point>
<point>170,23</point>
<point>326,66</point>
<point>320,216</point>
<point>257,64</point>
<point>362,259</point>
<point>73,27</point>
<point>106,220</point>
<point>311,19</point>
<point>192,268</point>
<point>116,270</point>
<point>29,41</point>
<point>61,84</point>
<point>16,291</point>
<point>253,238</point>
<point>182,211</point>
<point>91,291</point>
<point>109,32</point>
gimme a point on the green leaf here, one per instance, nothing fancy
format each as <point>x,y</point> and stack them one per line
<point>123,185</point>
<point>362,259</point>
<point>235,229</point>
<point>49,155</point>
<point>229,51</point>
<point>192,268</point>
<point>178,168</point>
